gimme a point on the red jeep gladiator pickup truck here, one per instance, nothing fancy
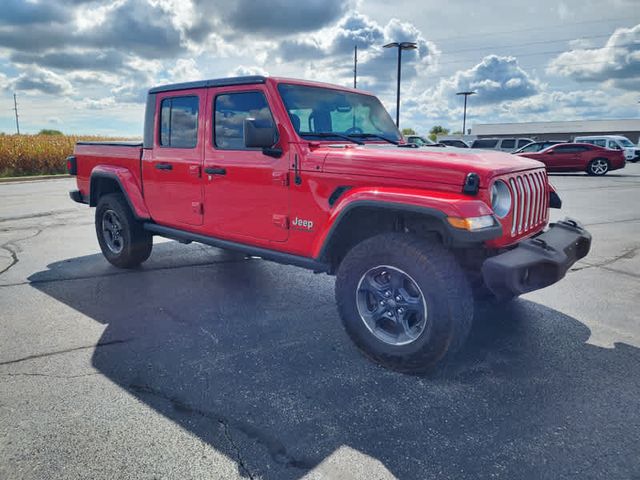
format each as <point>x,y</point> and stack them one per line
<point>317,176</point>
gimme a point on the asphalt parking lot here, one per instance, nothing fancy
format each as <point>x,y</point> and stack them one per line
<point>206,365</point>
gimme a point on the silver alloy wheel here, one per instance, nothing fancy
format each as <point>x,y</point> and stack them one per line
<point>391,305</point>
<point>599,166</point>
<point>112,231</point>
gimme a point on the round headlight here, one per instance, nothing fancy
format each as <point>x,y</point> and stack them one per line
<point>500,199</point>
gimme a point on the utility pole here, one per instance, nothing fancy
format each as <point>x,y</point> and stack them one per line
<point>15,109</point>
<point>355,66</point>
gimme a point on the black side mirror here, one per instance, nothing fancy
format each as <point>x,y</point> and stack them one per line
<point>258,136</point>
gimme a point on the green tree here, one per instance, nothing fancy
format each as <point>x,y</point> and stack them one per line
<point>48,131</point>
<point>437,130</point>
<point>408,131</point>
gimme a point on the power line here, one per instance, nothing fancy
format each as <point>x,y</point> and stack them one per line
<point>548,52</point>
<point>548,27</point>
<point>590,37</point>
<point>15,109</point>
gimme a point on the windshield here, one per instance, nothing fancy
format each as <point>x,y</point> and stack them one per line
<point>419,141</point>
<point>315,110</point>
<point>625,143</point>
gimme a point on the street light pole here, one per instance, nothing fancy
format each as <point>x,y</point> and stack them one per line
<point>464,116</point>
<point>400,46</point>
<point>355,66</point>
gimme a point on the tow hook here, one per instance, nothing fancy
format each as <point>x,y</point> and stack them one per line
<point>541,243</point>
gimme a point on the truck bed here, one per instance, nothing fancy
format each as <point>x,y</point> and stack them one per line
<point>113,154</point>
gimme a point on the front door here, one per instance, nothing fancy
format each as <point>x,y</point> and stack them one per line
<point>171,171</point>
<point>560,157</point>
<point>245,190</point>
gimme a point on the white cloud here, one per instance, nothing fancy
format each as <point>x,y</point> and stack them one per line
<point>241,71</point>
<point>617,63</point>
<point>495,79</point>
<point>185,70</point>
<point>97,103</point>
<point>329,52</point>
<point>40,80</point>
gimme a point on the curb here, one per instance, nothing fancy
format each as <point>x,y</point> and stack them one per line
<point>33,178</point>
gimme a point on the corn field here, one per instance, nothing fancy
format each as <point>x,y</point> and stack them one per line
<point>37,154</point>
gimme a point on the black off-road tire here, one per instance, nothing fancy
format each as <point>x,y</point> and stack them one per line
<point>135,243</point>
<point>592,167</point>
<point>442,283</point>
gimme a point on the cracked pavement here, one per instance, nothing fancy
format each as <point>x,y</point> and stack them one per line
<point>203,364</point>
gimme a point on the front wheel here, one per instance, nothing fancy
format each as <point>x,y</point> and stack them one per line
<point>404,301</point>
<point>599,166</point>
<point>122,239</point>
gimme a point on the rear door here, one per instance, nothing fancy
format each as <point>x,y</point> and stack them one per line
<point>245,190</point>
<point>171,171</point>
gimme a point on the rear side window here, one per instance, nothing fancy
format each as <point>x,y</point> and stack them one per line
<point>231,110</point>
<point>601,143</point>
<point>508,143</point>
<point>489,143</point>
<point>179,122</point>
<point>534,147</point>
<point>570,149</point>
<point>523,141</point>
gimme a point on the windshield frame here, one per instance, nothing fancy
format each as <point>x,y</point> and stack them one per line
<point>394,135</point>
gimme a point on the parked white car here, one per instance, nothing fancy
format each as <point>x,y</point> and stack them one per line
<point>613,142</point>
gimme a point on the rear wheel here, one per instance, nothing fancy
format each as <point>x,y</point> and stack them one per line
<point>122,239</point>
<point>404,301</point>
<point>598,166</point>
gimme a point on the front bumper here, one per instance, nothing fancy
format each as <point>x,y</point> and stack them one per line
<point>537,262</point>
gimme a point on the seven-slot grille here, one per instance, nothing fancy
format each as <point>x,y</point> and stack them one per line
<point>530,201</point>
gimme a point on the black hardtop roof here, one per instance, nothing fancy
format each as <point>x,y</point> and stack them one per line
<point>215,82</point>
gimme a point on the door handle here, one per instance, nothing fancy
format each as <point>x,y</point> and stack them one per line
<point>164,166</point>
<point>215,171</point>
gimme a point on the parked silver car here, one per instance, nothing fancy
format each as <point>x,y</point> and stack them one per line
<point>502,144</point>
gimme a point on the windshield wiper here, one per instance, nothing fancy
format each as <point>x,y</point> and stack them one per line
<point>330,135</point>
<point>373,135</point>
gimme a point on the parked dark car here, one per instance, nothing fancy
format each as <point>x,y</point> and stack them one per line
<point>576,157</point>
<point>454,143</point>
<point>538,146</point>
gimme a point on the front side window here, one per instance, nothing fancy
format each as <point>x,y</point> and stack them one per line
<point>317,111</point>
<point>230,112</point>
<point>179,122</point>
<point>613,145</point>
<point>523,142</point>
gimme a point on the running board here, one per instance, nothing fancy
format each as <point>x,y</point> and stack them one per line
<point>272,255</point>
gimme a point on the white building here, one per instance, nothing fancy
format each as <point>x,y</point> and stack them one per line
<point>630,128</point>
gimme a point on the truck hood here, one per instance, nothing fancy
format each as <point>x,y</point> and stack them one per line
<point>429,164</point>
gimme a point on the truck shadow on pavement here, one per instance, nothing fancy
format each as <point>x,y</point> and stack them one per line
<point>251,357</point>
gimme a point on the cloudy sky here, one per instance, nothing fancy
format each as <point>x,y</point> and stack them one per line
<point>83,66</point>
